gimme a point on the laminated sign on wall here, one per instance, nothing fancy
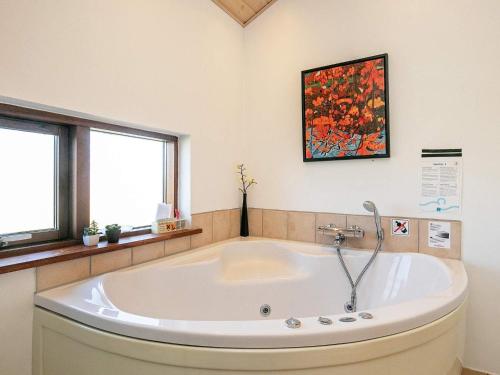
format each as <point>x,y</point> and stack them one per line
<point>439,234</point>
<point>400,227</point>
<point>441,181</point>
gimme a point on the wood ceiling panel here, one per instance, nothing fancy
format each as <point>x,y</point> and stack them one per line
<point>257,5</point>
<point>244,11</point>
<point>238,9</point>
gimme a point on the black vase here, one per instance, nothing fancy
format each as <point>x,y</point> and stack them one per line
<point>244,217</point>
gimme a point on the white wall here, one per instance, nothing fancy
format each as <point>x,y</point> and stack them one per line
<point>168,65</point>
<point>160,64</point>
<point>443,63</point>
<point>16,321</point>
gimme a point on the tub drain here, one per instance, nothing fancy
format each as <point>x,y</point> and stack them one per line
<point>265,310</point>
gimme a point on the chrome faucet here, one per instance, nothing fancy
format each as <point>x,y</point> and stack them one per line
<point>340,235</point>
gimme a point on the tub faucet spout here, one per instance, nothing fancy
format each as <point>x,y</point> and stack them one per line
<point>351,305</point>
<point>339,240</point>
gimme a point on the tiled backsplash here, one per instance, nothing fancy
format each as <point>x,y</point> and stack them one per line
<point>217,226</point>
<point>225,224</point>
<point>301,226</point>
<point>55,274</point>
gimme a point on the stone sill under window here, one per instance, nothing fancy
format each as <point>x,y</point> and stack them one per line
<point>35,259</point>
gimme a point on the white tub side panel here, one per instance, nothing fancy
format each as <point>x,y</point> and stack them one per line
<point>63,344</point>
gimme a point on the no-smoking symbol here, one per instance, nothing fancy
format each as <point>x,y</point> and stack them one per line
<point>400,227</point>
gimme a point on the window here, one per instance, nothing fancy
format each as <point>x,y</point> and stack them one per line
<point>33,192</point>
<point>128,178</point>
<point>59,172</point>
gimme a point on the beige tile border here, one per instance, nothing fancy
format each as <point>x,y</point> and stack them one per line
<point>55,274</point>
<point>146,253</point>
<point>234,222</point>
<point>275,224</point>
<point>455,250</point>
<point>369,240</point>
<point>217,226</point>
<point>108,262</point>
<point>299,226</point>
<point>221,222</point>
<point>224,224</point>
<point>177,245</point>
<point>255,222</point>
<point>396,243</point>
<point>205,222</point>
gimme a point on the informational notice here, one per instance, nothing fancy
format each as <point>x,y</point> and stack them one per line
<point>439,234</point>
<point>441,185</point>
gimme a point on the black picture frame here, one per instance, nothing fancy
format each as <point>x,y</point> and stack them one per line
<point>387,153</point>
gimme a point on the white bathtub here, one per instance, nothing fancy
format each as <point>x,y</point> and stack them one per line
<point>211,297</point>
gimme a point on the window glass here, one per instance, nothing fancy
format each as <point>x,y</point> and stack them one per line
<point>126,178</point>
<point>28,187</point>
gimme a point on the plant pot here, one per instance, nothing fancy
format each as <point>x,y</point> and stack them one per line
<point>113,236</point>
<point>91,240</point>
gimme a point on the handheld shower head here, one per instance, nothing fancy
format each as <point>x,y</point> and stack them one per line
<point>370,207</point>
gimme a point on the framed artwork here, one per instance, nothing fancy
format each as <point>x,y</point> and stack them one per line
<point>345,110</point>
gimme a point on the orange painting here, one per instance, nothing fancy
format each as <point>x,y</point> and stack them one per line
<point>345,110</point>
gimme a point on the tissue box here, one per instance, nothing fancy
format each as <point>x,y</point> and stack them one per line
<point>167,225</point>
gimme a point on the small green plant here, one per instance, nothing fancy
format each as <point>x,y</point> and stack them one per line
<point>92,229</point>
<point>113,228</point>
<point>113,232</point>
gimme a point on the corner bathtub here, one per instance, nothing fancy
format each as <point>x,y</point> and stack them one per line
<point>200,313</point>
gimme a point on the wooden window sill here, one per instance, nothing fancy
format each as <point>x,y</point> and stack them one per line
<point>21,262</point>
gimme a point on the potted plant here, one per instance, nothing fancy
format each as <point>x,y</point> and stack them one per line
<point>91,234</point>
<point>113,232</point>
<point>246,182</point>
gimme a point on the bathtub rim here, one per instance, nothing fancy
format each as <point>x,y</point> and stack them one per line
<point>257,336</point>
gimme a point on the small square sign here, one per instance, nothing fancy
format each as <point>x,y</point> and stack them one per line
<point>400,227</point>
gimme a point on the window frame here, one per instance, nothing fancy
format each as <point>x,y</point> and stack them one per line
<point>74,207</point>
<point>61,178</point>
<point>167,165</point>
